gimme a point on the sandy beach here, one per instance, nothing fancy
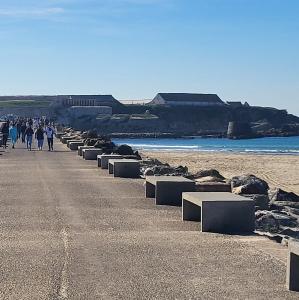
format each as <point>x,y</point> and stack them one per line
<point>278,170</point>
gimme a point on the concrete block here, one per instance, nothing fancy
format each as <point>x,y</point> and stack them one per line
<point>213,187</point>
<point>167,190</point>
<point>72,141</point>
<point>104,159</point>
<point>64,139</point>
<point>293,266</point>
<point>91,154</point>
<point>220,212</point>
<point>80,149</point>
<point>126,168</point>
<point>75,145</point>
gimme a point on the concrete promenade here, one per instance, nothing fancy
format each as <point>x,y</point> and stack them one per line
<point>68,230</point>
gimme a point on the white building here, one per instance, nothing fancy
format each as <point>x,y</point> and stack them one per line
<point>175,99</point>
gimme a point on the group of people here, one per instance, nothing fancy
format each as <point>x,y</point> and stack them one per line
<point>25,130</point>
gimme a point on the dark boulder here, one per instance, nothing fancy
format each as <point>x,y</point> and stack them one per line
<point>138,157</point>
<point>288,232</point>
<point>249,184</point>
<point>266,222</point>
<point>91,134</point>
<point>261,202</point>
<point>281,195</point>
<point>274,222</point>
<point>90,142</point>
<point>212,173</point>
<point>165,170</point>
<point>124,150</point>
<point>282,204</point>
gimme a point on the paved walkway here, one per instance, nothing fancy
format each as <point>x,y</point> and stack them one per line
<point>70,231</point>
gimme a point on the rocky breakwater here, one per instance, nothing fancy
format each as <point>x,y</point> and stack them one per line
<point>92,138</point>
<point>277,211</point>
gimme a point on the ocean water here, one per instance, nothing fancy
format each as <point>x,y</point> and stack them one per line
<point>270,145</point>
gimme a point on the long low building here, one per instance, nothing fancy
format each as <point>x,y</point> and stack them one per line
<point>176,99</point>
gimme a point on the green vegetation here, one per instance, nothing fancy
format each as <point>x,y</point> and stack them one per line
<point>24,103</point>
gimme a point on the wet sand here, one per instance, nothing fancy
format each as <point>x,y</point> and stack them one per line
<point>278,170</point>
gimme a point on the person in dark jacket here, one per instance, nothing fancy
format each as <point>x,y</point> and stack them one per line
<point>19,124</point>
<point>39,135</point>
<point>5,133</point>
<point>23,129</point>
<point>29,134</point>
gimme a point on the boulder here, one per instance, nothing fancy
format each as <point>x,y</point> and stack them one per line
<point>152,162</point>
<point>136,153</point>
<point>293,233</point>
<point>281,204</point>
<point>91,134</point>
<point>165,170</point>
<point>274,222</point>
<point>148,172</point>
<point>281,195</point>
<point>261,202</point>
<point>212,173</point>
<point>266,222</point>
<point>209,179</point>
<point>249,184</point>
<point>124,150</point>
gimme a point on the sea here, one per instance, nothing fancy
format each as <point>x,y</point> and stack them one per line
<point>268,145</point>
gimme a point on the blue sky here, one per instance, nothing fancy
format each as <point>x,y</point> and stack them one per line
<point>240,49</point>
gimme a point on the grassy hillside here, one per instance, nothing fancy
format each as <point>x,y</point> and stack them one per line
<point>24,103</point>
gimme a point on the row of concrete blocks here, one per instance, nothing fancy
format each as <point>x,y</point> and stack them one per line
<point>116,164</point>
<point>220,212</point>
<point>119,167</point>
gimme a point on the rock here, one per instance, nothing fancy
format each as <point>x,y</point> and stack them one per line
<point>285,219</point>
<point>165,170</point>
<point>136,153</point>
<point>281,204</point>
<point>281,195</point>
<point>209,179</point>
<point>92,134</point>
<point>153,162</point>
<point>209,173</point>
<point>249,184</point>
<point>124,150</point>
<point>272,221</point>
<point>266,222</point>
<point>290,233</point>
<point>162,170</point>
<point>261,202</point>
<point>294,211</point>
<point>148,172</point>
<point>131,157</point>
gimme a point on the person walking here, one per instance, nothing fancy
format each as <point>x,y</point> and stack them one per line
<point>39,135</point>
<point>29,133</point>
<point>19,124</point>
<point>50,135</point>
<point>23,129</point>
<point>5,133</point>
<point>13,134</point>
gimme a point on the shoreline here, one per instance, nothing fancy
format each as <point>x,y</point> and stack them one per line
<point>279,171</point>
<point>226,152</point>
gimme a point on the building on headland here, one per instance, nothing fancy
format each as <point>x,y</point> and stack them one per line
<point>88,100</point>
<point>237,104</point>
<point>179,99</point>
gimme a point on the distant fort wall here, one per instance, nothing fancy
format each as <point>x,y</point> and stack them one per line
<point>27,111</point>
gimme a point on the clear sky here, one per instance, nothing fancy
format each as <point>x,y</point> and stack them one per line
<point>240,49</point>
